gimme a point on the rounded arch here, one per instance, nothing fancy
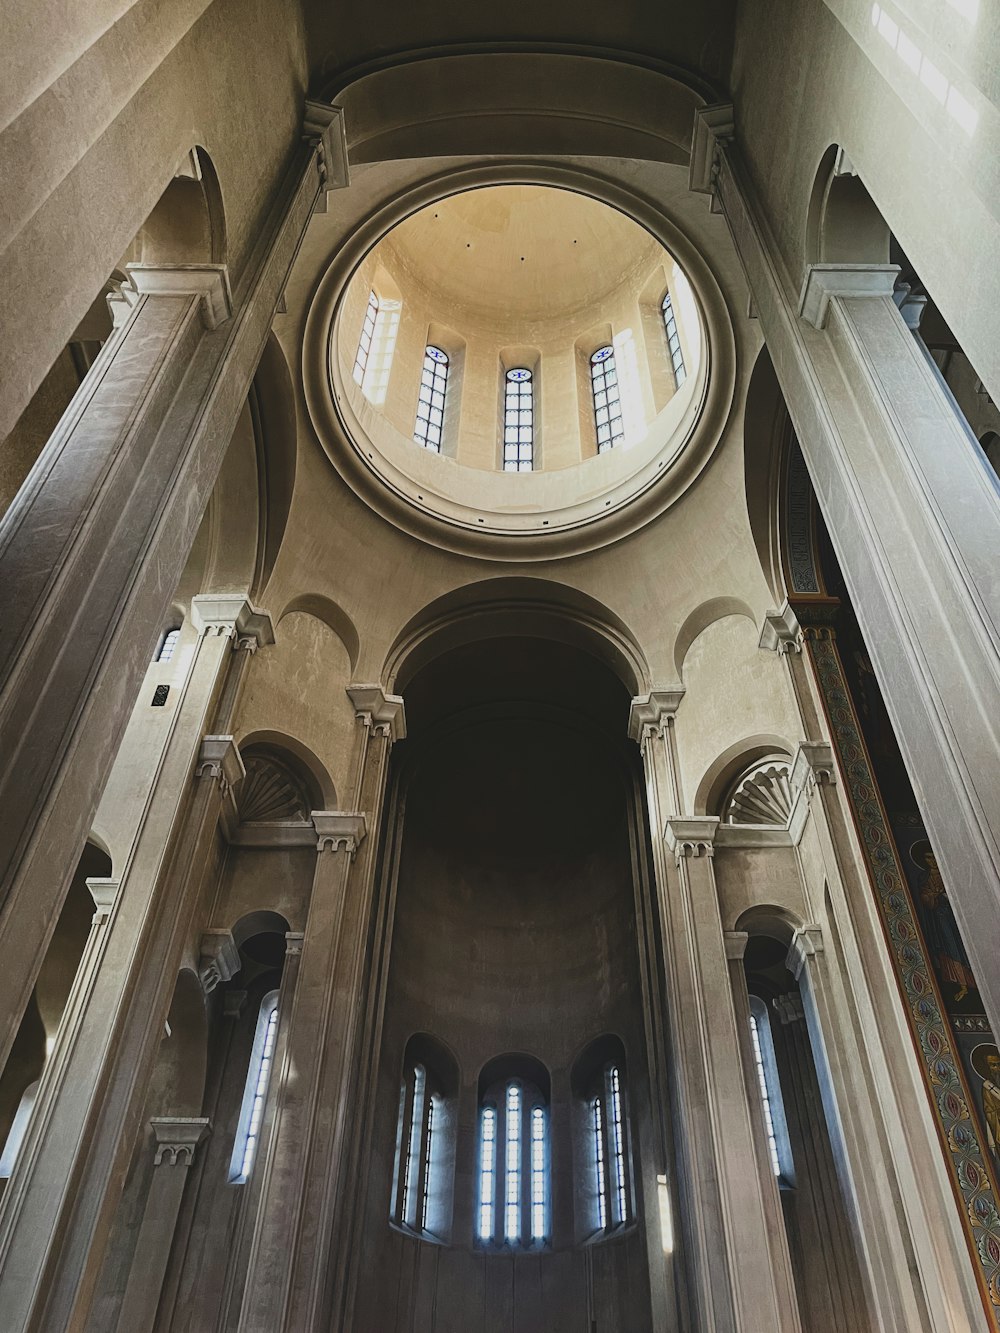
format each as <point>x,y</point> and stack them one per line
<point>332,615</point>
<point>525,607</point>
<point>426,1049</point>
<point>844,225</point>
<point>187,225</point>
<point>726,767</point>
<point>515,1065</point>
<point>716,608</point>
<point>771,921</point>
<point>299,758</point>
<point>262,922</point>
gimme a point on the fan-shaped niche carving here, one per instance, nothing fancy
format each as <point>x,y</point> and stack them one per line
<point>762,794</point>
<point>274,801</point>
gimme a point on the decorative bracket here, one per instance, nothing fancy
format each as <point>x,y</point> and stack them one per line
<point>231,615</point>
<point>691,836</point>
<point>713,127</point>
<point>806,943</point>
<point>824,281</point>
<point>220,959</point>
<point>384,714</point>
<point>104,893</point>
<point>293,942</point>
<point>781,632</point>
<point>650,714</point>
<point>812,767</point>
<point>208,282</point>
<point>736,944</point>
<point>219,758</point>
<point>323,125</point>
<point>177,1137</point>
<point>338,830</point>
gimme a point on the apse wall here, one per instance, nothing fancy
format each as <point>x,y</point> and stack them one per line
<point>514,932</point>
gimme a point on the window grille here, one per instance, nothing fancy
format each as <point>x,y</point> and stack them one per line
<point>429,425</point>
<point>365,341</point>
<point>168,645</point>
<point>673,340</point>
<point>518,421</point>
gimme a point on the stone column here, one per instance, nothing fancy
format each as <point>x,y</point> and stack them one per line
<point>915,520</point>
<point>57,1213</point>
<point>93,547</point>
<point>738,1267</point>
<point>176,1140</point>
<point>298,1275</point>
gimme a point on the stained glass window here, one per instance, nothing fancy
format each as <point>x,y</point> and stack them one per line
<point>429,424</point>
<point>673,340</point>
<point>607,399</point>
<point>518,421</point>
<point>512,1165</point>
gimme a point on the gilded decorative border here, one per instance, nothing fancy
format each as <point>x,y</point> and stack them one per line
<point>941,1066</point>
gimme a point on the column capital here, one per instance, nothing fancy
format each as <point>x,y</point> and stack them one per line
<point>293,942</point>
<point>651,713</point>
<point>691,835</point>
<point>806,943</point>
<point>231,615</point>
<point>338,830</point>
<point>823,281</point>
<point>713,127</point>
<point>384,714</point>
<point>209,282</point>
<point>812,767</point>
<point>736,944</point>
<point>219,958</point>
<point>781,632</point>
<point>323,125</point>
<point>104,893</point>
<point>219,758</point>
<point>177,1137</point>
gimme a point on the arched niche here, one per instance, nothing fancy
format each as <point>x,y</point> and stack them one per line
<point>844,225</point>
<point>187,225</point>
<point>699,620</point>
<point>332,615</point>
<point>289,753</point>
<point>522,607</point>
<point>718,780</point>
<point>272,408</point>
<point>278,787</point>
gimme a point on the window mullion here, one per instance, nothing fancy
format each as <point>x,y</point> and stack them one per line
<point>404,1143</point>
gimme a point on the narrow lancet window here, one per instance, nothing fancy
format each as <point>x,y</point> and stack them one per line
<point>429,425</point>
<point>411,1166</point>
<point>538,1227</point>
<point>365,341</point>
<point>673,340</point>
<point>608,420</point>
<point>618,1144</point>
<point>518,421</point>
<point>487,1172</point>
<point>255,1092</point>
<point>599,1165</point>
<point>421,1196</point>
<point>512,1165</point>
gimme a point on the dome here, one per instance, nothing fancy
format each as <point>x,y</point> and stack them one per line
<point>514,361</point>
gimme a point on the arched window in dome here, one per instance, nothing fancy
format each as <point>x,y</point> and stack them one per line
<point>608,420</point>
<point>168,643</point>
<point>673,340</point>
<point>518,420</point>
<point>365,340</point>
<point>430,402</point>
<point>255,1090</point>
<point>769,1087</point>
<point>513,1205</point>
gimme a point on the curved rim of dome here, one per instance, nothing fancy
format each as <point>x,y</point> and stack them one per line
<point>633,503</point>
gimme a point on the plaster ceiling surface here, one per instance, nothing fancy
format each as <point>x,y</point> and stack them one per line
<point>522,252</point>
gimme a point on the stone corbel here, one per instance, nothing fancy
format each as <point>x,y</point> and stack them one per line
<point>812,767</point>
<point>339,830</point>
<point>824,281</point>
<point>789,1008</point>
<point>781,632</point>
<point>323,125</point>
<point>293,942</point>
<point>691,836</point>
<point>219,758</point>
<point>713,127</point>
<point>209,282</point>
<point>177,1137</point>
<point>806,943</point>
<point>231,615</point>
<point>650,714</point>
<point>219,960</point>
<point>736,944</point>
<point>104,893</point>
<point>384,714</point>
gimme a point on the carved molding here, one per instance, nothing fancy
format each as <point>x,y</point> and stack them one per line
<point>232,615</point>
<point>825,281</point>
<point>209,282</point>
<point>270,794</point>
<point>219,758</point>
<point>713,127</point>
<point>781,632</point>
<point>324,126</point>
<point>813,766</point>
<point>691,836</point>
<point>219,959</point>
<point>177,1137</point>
<point>339,830</point>
<point>762,795</point>
<point>650,714</point>
<point>384,714</point>
<point>104,893</point>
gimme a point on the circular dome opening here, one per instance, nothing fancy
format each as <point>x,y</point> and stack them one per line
<point>513,360</point>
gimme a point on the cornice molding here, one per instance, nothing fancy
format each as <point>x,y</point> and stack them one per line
<point>781,632</point>
<point>822,282</point>
<point>381,712</point>
<point>713,126</point>
<point>232,615</point>
<point>691,835</point>
<point>219,758</point>
<point>339,830</point>
<point>208,282</point>
<point>650,713</point>
<point>324,126</point>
